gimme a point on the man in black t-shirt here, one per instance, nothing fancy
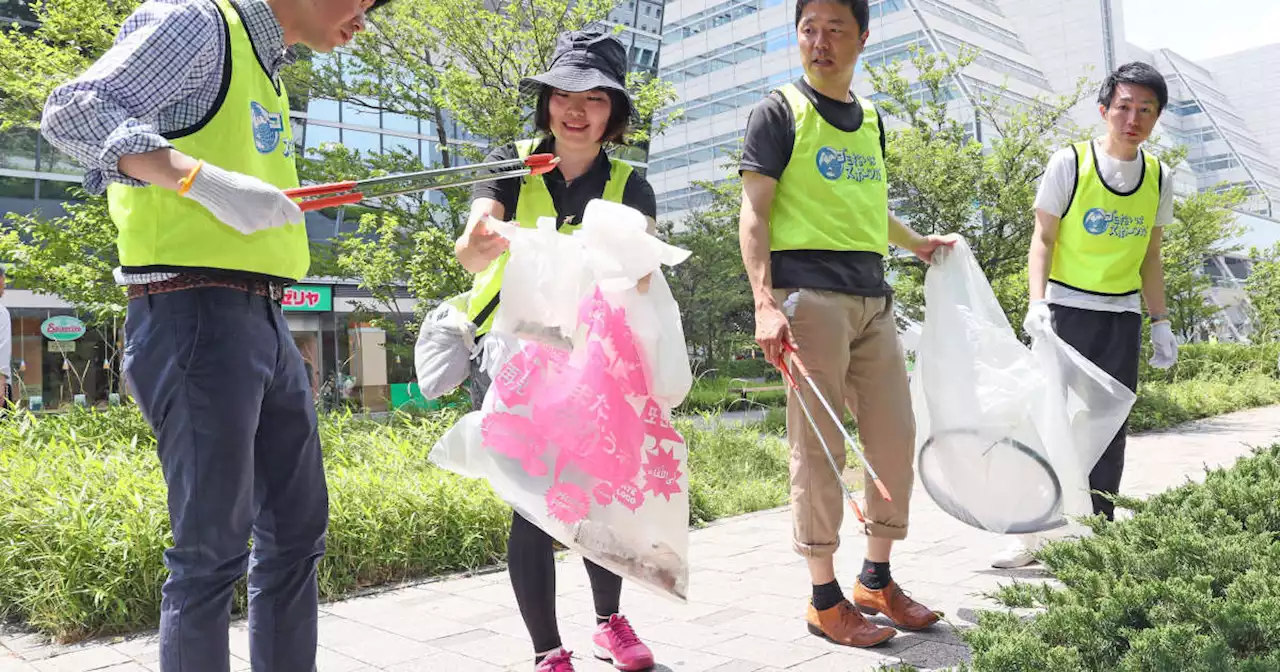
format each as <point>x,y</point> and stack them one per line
<point>815,229</point>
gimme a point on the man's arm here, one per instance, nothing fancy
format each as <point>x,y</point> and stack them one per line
<point>772,328</point>
<point>165,52</point>
<point>1040,255</point>
<point>1153,277</point>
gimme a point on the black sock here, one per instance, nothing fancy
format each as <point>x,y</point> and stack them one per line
<point>827,596</point>
<point>875,575</point>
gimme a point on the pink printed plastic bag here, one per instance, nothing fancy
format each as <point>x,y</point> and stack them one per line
<point>577,442</point>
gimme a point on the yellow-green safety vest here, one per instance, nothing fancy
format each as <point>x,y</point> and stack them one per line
<point>1102,239</point>
<point>248,132</point>
<point>534,202</point>
<point>833,194</point>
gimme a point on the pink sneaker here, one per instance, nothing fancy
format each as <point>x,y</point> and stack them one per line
<point>560,661</point>
<point>617,642</point>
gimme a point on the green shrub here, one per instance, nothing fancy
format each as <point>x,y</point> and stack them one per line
<point>1214,361</point>
<point>83,518</point>
<point>721,394</point>
<point>1192,582</point>
<point>1161,404</point>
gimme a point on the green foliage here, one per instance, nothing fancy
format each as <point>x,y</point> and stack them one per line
<point>1202,226</point>
<point>1192,582</point>
<point>1263,288</point>
<point>83,518</point>
<point>941,180</point>
<point>711,287</point>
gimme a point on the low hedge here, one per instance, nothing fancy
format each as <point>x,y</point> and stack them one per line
<point>1191,582</point>
<point>83,518</point>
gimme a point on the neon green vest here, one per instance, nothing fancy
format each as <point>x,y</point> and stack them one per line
<point>248,133</point>
<point>1102,240</point>
<point>832,194</point>
<point>534,202</point>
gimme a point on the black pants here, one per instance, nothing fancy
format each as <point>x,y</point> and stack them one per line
<point>531,564</point>
<point>1112,341</point>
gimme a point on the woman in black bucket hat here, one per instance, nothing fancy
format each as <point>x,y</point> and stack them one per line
<point>581,104</point>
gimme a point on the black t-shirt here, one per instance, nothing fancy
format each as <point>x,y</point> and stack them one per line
<point>771,135</point>
<point>570,199</point>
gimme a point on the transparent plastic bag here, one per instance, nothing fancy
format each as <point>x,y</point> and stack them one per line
<point>579,439</point>
<point>1006,435</point>
<point>443,351</point>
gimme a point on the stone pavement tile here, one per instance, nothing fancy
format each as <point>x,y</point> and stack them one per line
<point>675,659</point>
<point>329,660</point>
<point>465,583</point>
<point>420,622</point>
<point>742,666</point>
<point>490,647</point>
<point>844,662</point>
<point>775,627</point>
<point>930,655</point>
<point>10,662</point>
<point>413,597</point>
<point>497,594</point>
<point>765,651</point>
<point>686,635</point>
<point>124,667</point>
<point>443,661</point>
<point>83,660</point>
<point>368,644</point>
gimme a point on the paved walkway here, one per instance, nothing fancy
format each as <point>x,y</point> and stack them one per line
<point>746,609</point>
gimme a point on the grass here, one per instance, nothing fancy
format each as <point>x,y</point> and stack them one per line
<point>83,518</point>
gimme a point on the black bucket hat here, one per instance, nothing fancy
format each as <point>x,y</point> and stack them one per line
<point>584,60</point>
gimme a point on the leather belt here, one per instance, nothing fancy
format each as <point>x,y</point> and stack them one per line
<point>270,289</point>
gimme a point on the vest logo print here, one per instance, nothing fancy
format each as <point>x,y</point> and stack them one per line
<point>1098,221</point>
<point>836,163</point>
<point>267,129</point>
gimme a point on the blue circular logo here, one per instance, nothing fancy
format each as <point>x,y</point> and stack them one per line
<point>267,128</point>
<point>830,163</point>
<point>1095,221</point>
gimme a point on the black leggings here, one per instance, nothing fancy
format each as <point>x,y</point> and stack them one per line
<point>531,562</point>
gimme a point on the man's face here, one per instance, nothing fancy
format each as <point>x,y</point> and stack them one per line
<point>830,40</point>
<point>1133,114</point>
<point>333,23</point>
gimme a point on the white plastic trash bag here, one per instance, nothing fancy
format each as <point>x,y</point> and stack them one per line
<point>1006,435</point>
<point>446,341</point>
<point>578,439</point>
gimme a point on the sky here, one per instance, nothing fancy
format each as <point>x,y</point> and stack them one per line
<point>1192,29</point>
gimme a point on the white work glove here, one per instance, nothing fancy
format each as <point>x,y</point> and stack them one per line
<point>245,203</point>
<point>1037,320</point>
<point>1164,347</point>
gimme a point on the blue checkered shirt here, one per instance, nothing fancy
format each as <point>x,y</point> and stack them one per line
<point>162,75</point>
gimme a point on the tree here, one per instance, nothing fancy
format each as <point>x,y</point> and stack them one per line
<point>711,285</point>
<point>450,62</point>
<point>1203,226</point>
<point>1263,288</point>
<point>943,180</point>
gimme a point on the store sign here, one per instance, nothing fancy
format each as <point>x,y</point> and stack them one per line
<point>62,346</point>
<point>313,298</point>
<point>62,328</point>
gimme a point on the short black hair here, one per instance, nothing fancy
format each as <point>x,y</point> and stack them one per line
<point>379,3</point>
<point>861,11</point>
<point>1139,74</point>
<point>614,131</point>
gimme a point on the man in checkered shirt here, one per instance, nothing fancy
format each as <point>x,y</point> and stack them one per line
<point>184,123</point>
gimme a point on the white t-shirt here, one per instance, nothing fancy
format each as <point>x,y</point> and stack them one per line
<point>1057,186</point>
<point>6,345</point>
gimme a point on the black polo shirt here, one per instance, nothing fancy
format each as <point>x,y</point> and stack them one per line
<point>570,199</point>
<point>771,134</point>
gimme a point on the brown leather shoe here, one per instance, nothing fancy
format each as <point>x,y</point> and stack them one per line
<point>891,601</point>
<point>843,624</point>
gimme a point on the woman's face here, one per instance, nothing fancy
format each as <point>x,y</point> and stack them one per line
<point>579,118</point>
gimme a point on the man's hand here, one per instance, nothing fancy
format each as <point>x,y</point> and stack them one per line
<point>1163,345</point>
<point>1037,320</point>
<point>245,203</point>
<point>930,244</point>
<point>772,331</point>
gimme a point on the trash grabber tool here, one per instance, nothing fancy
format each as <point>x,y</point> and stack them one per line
<point>848,496</point>
<point>354,191</point>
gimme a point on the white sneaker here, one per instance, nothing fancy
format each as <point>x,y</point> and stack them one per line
<point>1019,553</point>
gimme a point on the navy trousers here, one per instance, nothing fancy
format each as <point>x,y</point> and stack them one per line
<point>221,383</point>
<point>1112,341</point>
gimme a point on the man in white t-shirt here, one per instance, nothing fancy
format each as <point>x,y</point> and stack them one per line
<point>1095,256</point>
<point>6,349</point>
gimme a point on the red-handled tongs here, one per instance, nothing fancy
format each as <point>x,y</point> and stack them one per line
<point>346,193</point>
